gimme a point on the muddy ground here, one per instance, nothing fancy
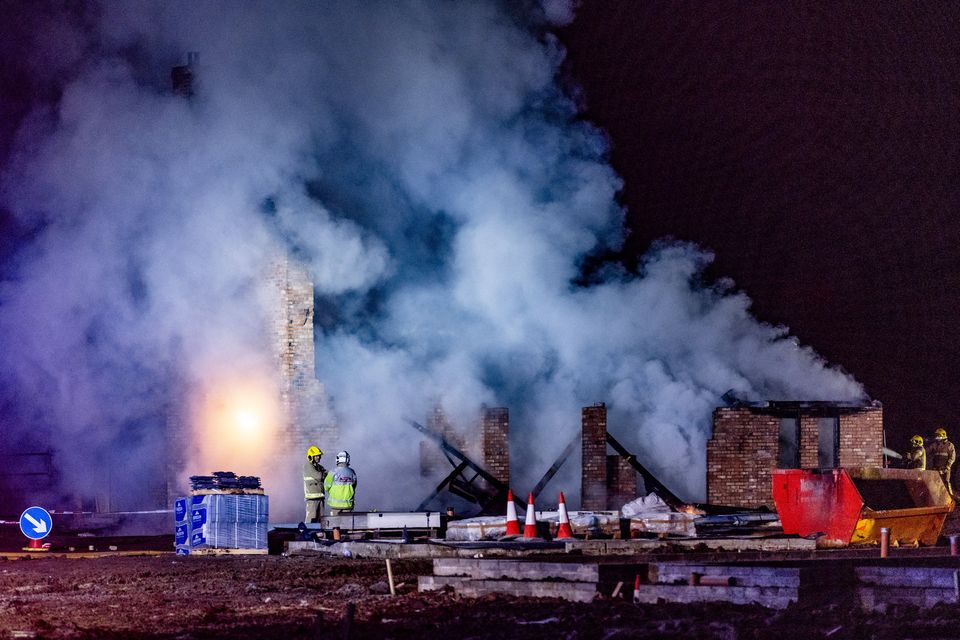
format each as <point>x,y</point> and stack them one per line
<point>269,597</point>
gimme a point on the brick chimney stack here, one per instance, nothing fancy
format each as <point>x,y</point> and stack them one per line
<point>593,484</point>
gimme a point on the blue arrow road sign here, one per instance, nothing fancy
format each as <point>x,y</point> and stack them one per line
<point>36,523</point>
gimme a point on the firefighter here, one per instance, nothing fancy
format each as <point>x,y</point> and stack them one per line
<point>916,455</point>
<point>341,485</point>
<point>313,475</point>
<point>941,456</point>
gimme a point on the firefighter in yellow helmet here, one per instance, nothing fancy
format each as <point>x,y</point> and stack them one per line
<point>313,475</point>
<point>916,455</point>
<point>941,455</point>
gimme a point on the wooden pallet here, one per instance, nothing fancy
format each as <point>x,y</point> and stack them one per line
<point>211,551</point>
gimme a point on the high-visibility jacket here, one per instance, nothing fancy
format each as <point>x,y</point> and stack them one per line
<point>313,476</point>
<point>941,455</point>
<point>341,486</point>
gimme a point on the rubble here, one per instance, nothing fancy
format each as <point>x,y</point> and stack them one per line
<point>306,597</point>
<point>583,524</point>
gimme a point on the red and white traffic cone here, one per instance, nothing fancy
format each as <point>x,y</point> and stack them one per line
<point>513,523</point>
<point>530,526</point>
<point>636,589</point>
<point>564,532</point>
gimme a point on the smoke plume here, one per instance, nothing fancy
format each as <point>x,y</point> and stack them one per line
<point>423,161</point>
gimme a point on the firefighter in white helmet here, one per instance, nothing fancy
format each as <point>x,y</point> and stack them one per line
<point>341,485</point>
<point>313,493</point>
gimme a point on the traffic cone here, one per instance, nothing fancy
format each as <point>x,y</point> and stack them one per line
<point>530,526</point>
<point>563,531</point>
<point>636,589</point>
<point>513,524</point>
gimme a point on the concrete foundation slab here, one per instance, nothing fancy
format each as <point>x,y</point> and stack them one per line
<point>390,549</point>
<point>878,599</point>
<point>468,587</point>
<point>631,547</point>
<point>770,597</point>
<point>516,569</point>
<point>675,572</point>
<point>882,587</point>
<point>937,577</point>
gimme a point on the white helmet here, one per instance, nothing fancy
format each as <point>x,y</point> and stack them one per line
<point>343,457</point>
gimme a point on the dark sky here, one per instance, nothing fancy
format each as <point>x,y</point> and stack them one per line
<point>815,150</point>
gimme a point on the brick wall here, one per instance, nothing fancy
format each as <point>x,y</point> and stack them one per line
<point>487,445</point>
<point>861,438</point>
<point>303,397</point>
<point>621,482</point>
<point>809,440</point>
<point>433,462</point>
<point>740,455</point>
<point>593,484</point>
<point>494,442</point>
<point>744,447</point>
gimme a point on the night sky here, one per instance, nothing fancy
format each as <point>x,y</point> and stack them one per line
<point>815,151</point>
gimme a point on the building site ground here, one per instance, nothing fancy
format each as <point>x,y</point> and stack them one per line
<point>268,596</point>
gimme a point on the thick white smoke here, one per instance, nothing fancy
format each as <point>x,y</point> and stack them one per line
<point>421,157</point>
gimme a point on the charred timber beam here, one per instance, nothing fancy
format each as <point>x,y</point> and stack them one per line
<point>649,480</point>
<point>453,453</point>
<point>552,471</point>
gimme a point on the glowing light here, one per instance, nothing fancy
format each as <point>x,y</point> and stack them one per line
<point>237,426</point>
<point>246,420</point>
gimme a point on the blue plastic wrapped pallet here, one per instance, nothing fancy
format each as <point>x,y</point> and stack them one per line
<point>222,521</point>
<point>181,527</point>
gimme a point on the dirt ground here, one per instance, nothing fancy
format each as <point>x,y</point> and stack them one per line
<point>269,597</point>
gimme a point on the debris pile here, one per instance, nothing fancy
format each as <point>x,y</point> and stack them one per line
<point>224,481</point>
<point>650,515</point>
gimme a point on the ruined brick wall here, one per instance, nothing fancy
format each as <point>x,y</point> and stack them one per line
<point>494,442</point>
<point>433,462</point>
<point>486,443</point>
<point>303,397</point>
<point>740,456</point>
<point>809,440</point>
<point>621,482</point>
<point>744,447</point>
<point>861,438</point>
<point>593,483</point>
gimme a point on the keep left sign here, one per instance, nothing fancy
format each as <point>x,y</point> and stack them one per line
<point>36,523</point>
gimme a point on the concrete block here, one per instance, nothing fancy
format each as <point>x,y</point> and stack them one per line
<point>516,569</point>
<point>770,597</point>
<point>878,599</point>
<point>467,587</point>
<point>935,577</point>
<point>631,547</point>
<point>678,572</point>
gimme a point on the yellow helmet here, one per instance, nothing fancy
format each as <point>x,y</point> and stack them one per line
<point>916,441</point>
<point>314,451</point>
<point>940,433</point>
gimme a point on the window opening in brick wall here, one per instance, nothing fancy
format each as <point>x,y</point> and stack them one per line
<point>828,442</point>
<point>788,456</point>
